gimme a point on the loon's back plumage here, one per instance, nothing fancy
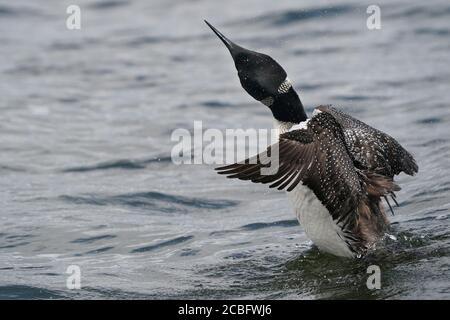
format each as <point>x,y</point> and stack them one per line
<point>372,149</point>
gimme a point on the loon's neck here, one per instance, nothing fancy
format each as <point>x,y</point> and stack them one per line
<point>287,107</point>
<point>284,126</point>
<point>281,126</point>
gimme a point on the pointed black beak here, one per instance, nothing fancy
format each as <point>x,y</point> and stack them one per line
<point>228,43</point>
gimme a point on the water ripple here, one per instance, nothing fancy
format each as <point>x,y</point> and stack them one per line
<point>93,239</point>
<point>14,245</point>
<point>294,16</point>
<point>126,164</point>
<point>151,200</point>
<point>159,245</point>
<point>216,104</point>
<point>422,11</point>
<point>261,225</point>
<point>6,11</point>
<point>433,31</point>
<point>430,120</point>
<point>27,292</point>
<point>99,250</point>
<point>108,4</point>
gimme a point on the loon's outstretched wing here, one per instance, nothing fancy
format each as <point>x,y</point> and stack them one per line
<point>318,157</point>
<point>372,149</point>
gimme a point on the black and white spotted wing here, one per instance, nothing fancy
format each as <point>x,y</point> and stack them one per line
<point>315,156</point>
<point>372,149</point>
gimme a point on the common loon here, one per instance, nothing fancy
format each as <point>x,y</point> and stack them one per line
<point>335,168</point>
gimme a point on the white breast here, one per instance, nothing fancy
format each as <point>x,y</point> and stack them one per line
<point>317,222</point>
<point>313,216</point>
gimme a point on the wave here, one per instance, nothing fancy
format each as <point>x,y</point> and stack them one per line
<point>257,226</point>
<point>127,164</point>
<point>24,292</point>
<point>421,11</point>
<point>316,51</point>
<point>14,241</point>
<point>14,245</point>
<point>7,11</point>
<point>159,245</point>
<point>151,200</point>
<point>216,104</point>
<point>432,31</point>
<point>93,239</point>
<point>97,251</point>
<point>108,4</point>
<point>262,225</point>
<point>429,120</point>
<point>5,168</point>
<point>298,15</point>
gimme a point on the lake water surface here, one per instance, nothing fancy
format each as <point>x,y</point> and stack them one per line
<point>86,176</point>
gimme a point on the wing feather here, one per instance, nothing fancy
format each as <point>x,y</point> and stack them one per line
<point>315,156</point>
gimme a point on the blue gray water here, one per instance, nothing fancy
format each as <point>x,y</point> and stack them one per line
<point>85,171</point>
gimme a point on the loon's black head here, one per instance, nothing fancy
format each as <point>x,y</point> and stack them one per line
<point>266,81</point>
